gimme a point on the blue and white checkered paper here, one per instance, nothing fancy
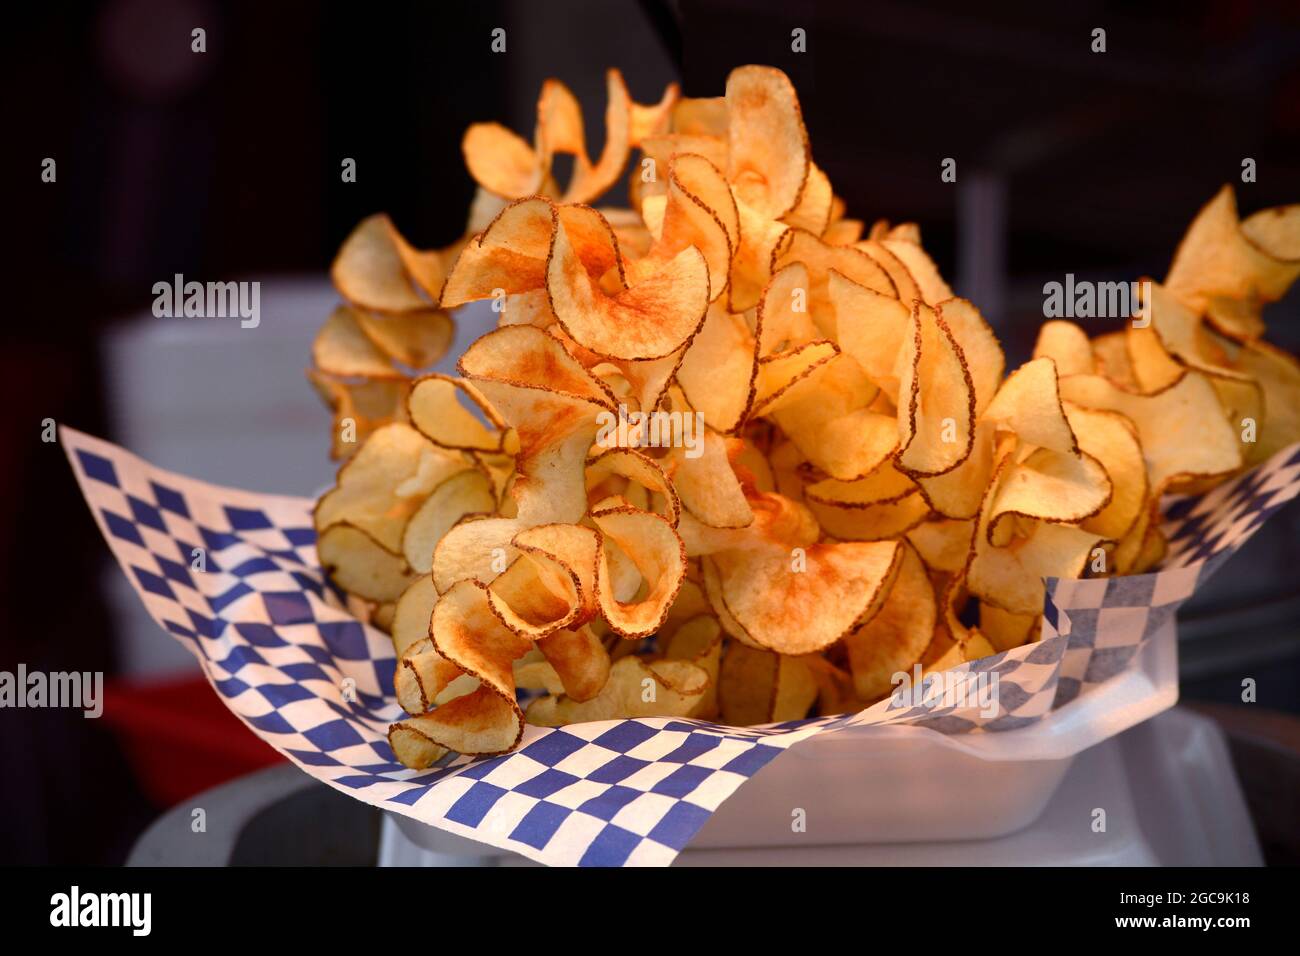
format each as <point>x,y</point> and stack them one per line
<point>277,644</point>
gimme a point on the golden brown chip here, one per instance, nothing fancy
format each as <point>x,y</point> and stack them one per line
<point>895,638</point>
<point>767,145</point>
<point>635,688</point>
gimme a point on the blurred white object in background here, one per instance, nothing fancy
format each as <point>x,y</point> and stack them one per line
<point>232,406</point>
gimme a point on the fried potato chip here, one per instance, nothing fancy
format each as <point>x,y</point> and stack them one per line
<point>590,180</point>
<point>361,565</point>
<point>635,688</point>
<point>411,614</point>
<point>468,492</point>
<point>872,327</point>
<point>1067,345</point>
<point>416,339</point>
<point>500,161</point>
<point>786,379</point>
<point>360,408</point>
<point>649,320</point>
<point>1048,485</point>
<point>1011,576</point>
<point>885,484</point>
<point>820,259</point>
<point>376,270</point>
<point>372,491</point>
<point>1005,631</point>
<point>479,723</point>
<point>688,220</point>
<point>656,551</point>
<point>782,321</point>
<point>1111,359</point>
<point>919,265</point>
<point>767,146</point>
<point>466,631</point>
<point>1278,374</point>
<point>895,638</point>
<point>829,415</point>
<point>700,116</point>
<point>654,118</point>
<point>760,687</point>
<point>536,595</point>
<point>905,286</point>
<point>957,494</point>
<point>761,242</point>
<point>1029,404</point>
<point>707,485</point>
<point>719,371</point>
<point>1181,429</point>
<point>579,659</point>
<point>342,348</point>
<point>637,467</point>
<point>437,409</point>
<point>936,421</point>
<point>1112,440</point>
<point>424,679</point>
<point>1222,263</point>
<point>797,604</point>
<point>813,211</point>
<point>699,640</point>
<point>979,348</point>
<point>875,522</point>
<point>510,256</point>
<point>943,543</point>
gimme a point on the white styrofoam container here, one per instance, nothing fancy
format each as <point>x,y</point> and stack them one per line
<point>1168,788</point>
<point>895,784</point>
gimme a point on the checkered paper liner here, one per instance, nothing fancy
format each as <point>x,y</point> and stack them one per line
<point>278,645</point>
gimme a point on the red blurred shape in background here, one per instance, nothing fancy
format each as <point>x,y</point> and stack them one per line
<point>180,738</point>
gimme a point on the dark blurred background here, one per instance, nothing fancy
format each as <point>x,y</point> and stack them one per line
<point>225,165</point>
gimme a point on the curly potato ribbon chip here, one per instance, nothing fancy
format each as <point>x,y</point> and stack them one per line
<point>359,408</point>
<point>580,661</point>
<point>635,688</point>
<point>385,483</point>
<point>650,319</point>
<point>1183,433</point>
<point>1051,486</point>
<point>687,219</point>
<point>1029,404</point>
<point>638,468</point>
<point>465,631</point>
<point>757,686</point>
<point>468,492</point>
<point>820,259</point>
<point>699,640</point>
<point>510,256</point>
<point>1228,269</point>
<point>937,399</point>
<point>1067,346</point>
<point>419,682</point>
<point>896,637</point>
<point>435,410</point>
<point>342,348</point>
<point>658,554</point>
<point>796,603</point>
<point>1010,574</point>
<point>505,165</point>
<point>829,415</point>
<point>376,270</point>
<point>417,339</point>
<point>767,145</point>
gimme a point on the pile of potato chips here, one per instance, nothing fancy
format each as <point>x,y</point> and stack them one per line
<point>871,489</point>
